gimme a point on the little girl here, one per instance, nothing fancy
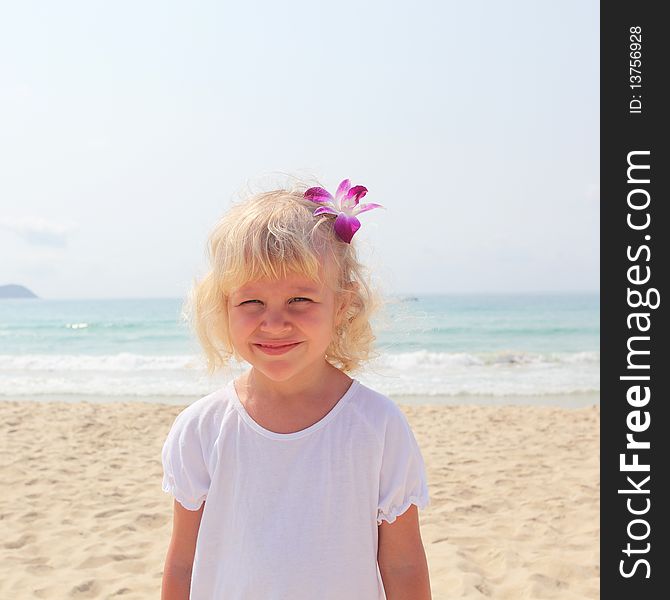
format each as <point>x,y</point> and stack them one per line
<point>294,481</point>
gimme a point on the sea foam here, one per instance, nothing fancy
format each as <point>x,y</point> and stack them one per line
<point>420,373</point>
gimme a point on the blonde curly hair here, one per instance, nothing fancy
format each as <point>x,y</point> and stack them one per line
<point>270,235</point>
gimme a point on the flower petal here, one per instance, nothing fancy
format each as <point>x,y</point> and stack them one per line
<point>318,194</point>
<point>346,226</point>
<point>325,209</point>
<point>342,189</point>
<point>355,194</point>
<point>361,208</point>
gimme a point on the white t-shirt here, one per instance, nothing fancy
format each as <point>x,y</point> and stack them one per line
<point>292,516</point>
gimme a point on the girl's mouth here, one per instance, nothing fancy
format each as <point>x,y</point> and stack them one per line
<point>276,349</point>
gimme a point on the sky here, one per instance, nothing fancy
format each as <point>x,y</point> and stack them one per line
<point>128,127</point>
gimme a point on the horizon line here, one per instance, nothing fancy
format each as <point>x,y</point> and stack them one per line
<point>392,294</point>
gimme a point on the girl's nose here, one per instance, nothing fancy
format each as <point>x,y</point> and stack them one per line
<point>274,321</point>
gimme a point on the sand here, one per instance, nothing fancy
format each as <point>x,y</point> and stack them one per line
<point>514,510</point>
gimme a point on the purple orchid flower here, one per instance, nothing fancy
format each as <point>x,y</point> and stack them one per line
<point>345,205</point>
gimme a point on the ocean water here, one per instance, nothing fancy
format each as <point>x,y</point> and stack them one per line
<point>495,347</point>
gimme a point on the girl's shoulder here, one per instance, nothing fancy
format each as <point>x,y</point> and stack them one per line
<point>206,414</point>
<point>188,451</point>
<point>377,408</point>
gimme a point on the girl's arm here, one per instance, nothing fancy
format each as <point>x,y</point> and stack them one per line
<point>402,559</point>
<point>181,552</point>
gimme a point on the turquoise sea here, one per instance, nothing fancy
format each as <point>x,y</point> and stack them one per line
<point>494,347</point>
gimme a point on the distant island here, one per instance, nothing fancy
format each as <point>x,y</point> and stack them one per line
<point>15,291</point>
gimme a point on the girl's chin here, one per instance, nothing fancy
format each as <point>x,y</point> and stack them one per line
<point>278,375</point>
<point>281,370</point>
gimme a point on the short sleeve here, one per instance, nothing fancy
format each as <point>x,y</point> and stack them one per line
<point>185,473</point>
<point>403,474</point>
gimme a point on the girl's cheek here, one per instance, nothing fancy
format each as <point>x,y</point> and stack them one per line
<point>245,323</point>
<point>240,322</point>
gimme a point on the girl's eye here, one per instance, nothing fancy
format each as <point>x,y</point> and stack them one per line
<point>292,300</point>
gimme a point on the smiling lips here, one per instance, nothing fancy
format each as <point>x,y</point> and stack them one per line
<point>277,347</point>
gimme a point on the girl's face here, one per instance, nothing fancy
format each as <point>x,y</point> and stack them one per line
<point>296,313</point>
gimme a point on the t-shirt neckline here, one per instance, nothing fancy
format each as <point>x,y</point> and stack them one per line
<point>353,387</point>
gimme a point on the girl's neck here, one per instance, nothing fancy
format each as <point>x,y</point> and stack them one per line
<point>316,385</point>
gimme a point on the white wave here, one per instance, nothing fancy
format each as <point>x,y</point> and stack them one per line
<point>420,373</point>
<point>123,361</point>
<point>407,360</point>
<point>450,359</point>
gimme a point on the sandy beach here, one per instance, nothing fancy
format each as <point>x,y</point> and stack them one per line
<point>514,510</point>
